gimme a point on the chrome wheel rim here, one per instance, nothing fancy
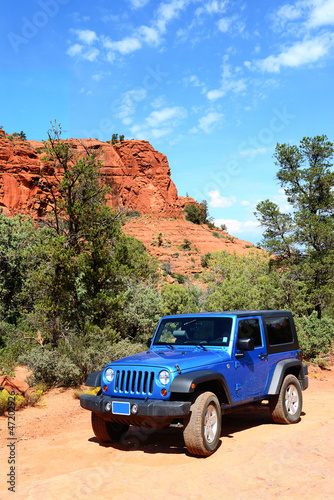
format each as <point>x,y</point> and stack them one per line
<point>210,423</point>
<point>291,399</point>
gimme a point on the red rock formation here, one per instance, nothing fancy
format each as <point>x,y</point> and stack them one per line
<point>138,174</point>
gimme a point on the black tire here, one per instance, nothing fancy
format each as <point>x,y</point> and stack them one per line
<point>286,407</point>
<point>201,429</point>
<point>107,432</point>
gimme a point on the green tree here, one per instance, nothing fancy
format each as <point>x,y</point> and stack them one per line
<point>21,135</point>
<point>198,214</point>
<point>17,237</point>
<point>303,240</point>
<point>315,335</point>
<point>178,300</point>
<point>242,282</point>
<point>85,263</point>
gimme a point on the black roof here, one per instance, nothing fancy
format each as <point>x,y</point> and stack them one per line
<point>257,312</point>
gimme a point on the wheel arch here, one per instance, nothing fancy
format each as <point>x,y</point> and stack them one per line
<point>94,379</point>
<point>283,368</point>
<point>201,381</point>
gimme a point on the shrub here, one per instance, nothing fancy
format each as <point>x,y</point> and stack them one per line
<point>180,278</point>
<point>70,364</point>
<point>4,397</point>
<point>205,259</point>
<point>186,244</point>
<point>315,335</point>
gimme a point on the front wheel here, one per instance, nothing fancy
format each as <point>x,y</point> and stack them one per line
<point>202,427</point>
<point>286,407</point>
<point>107,432</point>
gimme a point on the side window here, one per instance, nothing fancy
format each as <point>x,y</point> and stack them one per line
<point>279,330</point>
<point>250,328</point>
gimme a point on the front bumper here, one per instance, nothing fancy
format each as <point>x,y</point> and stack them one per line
<point>153,408</point>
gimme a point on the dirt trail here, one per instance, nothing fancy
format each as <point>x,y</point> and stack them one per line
<point>59,458</point>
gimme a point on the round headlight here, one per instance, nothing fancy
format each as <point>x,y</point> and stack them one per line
<point>109,374</point>
<point>164,377</point>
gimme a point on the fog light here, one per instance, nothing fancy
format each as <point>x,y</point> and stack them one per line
<point>134,409</point>
<point>163,392</point>
<point>105,388</point>
<point>108,406</point>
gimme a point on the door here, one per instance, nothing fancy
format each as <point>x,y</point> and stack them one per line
<point>251,371</point>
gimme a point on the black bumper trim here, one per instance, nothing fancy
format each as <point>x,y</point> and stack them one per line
<point>149,408</point>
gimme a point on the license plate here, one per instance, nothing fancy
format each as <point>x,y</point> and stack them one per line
<point>120,408</point>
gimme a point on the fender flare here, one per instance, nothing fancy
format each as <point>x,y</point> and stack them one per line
<point>94,379</point>
<point>279,373</point>
<point>182,384</point>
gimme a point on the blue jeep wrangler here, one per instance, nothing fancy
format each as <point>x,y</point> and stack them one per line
<point>198,367</point>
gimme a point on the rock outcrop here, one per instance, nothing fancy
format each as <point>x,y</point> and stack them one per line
<point>139,175</point>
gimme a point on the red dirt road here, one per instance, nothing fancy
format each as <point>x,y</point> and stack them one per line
<point>58,457</point>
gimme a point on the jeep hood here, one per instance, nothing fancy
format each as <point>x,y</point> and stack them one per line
<point>188,359</point>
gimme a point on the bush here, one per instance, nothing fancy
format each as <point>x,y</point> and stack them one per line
<point>186,245</point>
<point>315,335</point>
<point>74,359</point>
<point>205,259</point>
<point>180,278</point>
<point>4,396</point>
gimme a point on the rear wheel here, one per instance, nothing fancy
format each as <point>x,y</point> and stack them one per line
<point>286,407</point>
<point>107,432</point>
<point>202,427</point>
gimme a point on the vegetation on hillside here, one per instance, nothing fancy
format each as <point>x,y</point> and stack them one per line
<point>76,292</point>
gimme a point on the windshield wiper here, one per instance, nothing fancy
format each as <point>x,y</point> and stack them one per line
<point>164,344</point>
<point>200,345</point>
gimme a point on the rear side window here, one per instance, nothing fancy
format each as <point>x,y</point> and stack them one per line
<point>279,330</point>
<point>250,328</point>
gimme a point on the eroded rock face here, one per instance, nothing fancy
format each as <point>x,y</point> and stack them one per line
<point>139,175</point>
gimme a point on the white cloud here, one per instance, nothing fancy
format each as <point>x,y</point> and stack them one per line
<point>168,114</point>
<point>322,14</point>
<point>224,24</point>
<point>160,123</point>
<point>305,52</point>
<point>235,226</point>
<point>74,50</point>
<point>149,35</point>
<point>128,104</point>
<point>251,223</point>
<point>86,36</point>
<point>215,7</point>
<point>125,46</point>
<point>169,11</point>
<point>220,201</point>
<point>245,203</point>
<point>250,153</point>
<point>288,13</point>
<point>281,200</point>
<point>195,81</point>
<point>208,122</point>
<point>230,81</point>
<point>91,54</point>
<point>159,102</point>
<point>212,95</point>
<point>138,4</point>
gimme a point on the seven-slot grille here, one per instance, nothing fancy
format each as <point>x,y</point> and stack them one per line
<point>134,382</point>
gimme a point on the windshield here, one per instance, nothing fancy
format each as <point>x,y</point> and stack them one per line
<point>192,331</point>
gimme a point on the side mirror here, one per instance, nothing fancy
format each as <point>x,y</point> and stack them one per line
<point>149,341</point>
<point>245,344</point>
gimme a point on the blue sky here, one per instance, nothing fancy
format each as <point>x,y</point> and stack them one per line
<point>212,84</point>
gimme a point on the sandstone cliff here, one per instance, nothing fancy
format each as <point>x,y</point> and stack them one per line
<point>139,175</point>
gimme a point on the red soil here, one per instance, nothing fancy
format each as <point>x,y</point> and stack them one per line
<point>59,457</point>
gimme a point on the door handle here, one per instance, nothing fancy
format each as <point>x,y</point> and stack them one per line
<point>263,356</point>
